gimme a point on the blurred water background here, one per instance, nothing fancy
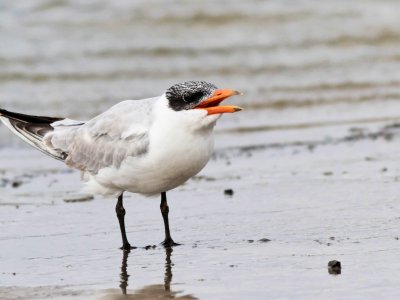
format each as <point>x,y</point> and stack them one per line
<point>299,62</point>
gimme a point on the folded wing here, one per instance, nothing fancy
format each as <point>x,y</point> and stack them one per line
<point>108,139</point>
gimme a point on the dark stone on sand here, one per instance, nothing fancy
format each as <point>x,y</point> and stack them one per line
<point>250,241</point>
<point>228,192</point>
<point>334,267</point>
<point>264,240</point>
<point>16,184</point>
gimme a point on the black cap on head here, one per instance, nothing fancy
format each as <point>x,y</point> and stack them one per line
<point>187,95</point>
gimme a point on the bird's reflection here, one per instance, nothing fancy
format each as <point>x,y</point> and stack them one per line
<point>168,270</point>
<point>124,272</point>
<point>155,291</point>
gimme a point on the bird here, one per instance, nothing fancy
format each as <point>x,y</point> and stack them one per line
<point>147,146</point>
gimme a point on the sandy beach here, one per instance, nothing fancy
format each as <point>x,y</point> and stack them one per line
<point>304,205</point>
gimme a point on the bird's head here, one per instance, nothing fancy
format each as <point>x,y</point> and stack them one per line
<point>202,95</point>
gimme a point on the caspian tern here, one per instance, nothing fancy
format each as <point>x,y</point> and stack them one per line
<point>147,146</point>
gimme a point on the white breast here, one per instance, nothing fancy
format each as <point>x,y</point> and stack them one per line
<point>181,144</point>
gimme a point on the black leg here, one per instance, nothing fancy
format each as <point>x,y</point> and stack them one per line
<point>168,242</point>
<point>120,210</point>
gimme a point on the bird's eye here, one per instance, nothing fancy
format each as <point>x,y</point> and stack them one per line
<point>193,97</point>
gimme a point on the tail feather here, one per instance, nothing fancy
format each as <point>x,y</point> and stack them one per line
<point>32,130</point>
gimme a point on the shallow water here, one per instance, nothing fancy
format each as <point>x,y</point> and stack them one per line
<point>312,159</point>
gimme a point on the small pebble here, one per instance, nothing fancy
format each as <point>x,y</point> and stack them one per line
<point>16,184</point>
<point>334,267</point>
<point>228,192</point>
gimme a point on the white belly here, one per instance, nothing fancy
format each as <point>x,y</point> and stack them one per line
<point>172,159</point>
<point>180,145</point>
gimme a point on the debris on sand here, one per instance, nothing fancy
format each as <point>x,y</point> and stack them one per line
<point>264,240</point>
<point>229,192</point>
<point>334,267</point>
<point>202,177</point>
<point>78,198</point>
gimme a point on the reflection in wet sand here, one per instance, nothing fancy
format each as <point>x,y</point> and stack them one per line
<point>155,291</point>
<point>168,269</point>
<point>124,272</point>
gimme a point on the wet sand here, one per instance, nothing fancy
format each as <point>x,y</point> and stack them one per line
<point>294,208</point>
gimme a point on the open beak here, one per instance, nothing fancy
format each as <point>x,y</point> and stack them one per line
<point>212,104</point>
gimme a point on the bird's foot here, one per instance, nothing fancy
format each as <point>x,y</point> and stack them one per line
<point>168,243</point>
<point>127,247</point>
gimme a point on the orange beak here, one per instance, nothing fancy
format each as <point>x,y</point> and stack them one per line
<point>212,104</point>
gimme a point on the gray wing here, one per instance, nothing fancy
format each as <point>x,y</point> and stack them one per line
<point>108,139</point>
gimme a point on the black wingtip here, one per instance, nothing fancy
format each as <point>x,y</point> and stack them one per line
<point>28,118</point>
